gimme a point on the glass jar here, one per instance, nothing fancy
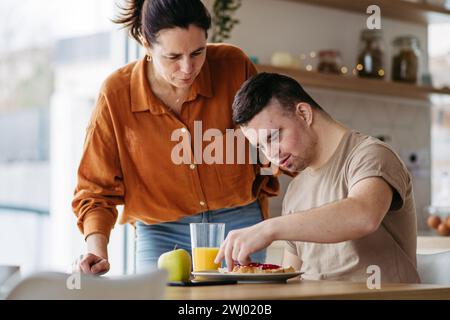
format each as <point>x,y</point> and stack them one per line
<point>329,61</point>
<point>405,62</point>
<point>371,54</point>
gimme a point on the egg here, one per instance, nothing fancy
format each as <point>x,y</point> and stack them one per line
<point>443,230</point>
<point>433,221</point>
<point>447,222</point>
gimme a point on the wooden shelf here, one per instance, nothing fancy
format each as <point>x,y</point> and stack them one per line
<point>419,13</point>
<point>355,84</point>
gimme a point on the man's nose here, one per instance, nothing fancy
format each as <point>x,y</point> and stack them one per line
<point>273,153</point>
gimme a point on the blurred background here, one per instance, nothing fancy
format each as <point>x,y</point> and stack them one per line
<point>54,55</point>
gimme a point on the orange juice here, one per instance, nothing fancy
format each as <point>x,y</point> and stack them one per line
<point>204,259</point>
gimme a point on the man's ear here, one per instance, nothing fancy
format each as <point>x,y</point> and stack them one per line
<point>304,111</point>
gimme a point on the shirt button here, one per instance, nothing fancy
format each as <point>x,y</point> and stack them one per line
<point>184,130</point>
<point>202,203</point>
<point>192,166</point>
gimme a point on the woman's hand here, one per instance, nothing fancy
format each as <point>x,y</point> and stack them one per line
<point>91,264</point>
<point>96,260</point>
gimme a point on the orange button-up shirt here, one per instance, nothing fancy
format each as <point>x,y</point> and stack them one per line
<point>128,149</point>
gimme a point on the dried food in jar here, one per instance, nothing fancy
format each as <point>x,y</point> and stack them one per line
<point>371,55</point>
<point>405,63</point>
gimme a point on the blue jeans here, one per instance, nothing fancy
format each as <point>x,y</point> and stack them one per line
<point>156,239</point>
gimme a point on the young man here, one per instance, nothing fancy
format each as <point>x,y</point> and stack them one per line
<point>351,205</point>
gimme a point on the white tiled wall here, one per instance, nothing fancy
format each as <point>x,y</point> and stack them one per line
<point>406,123</point>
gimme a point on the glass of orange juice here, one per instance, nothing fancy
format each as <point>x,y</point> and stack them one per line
<point>206,239</point>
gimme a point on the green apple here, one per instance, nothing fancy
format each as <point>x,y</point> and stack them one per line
<point>177,263</point>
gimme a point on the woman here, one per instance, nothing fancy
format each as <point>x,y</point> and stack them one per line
<point>128,152</point>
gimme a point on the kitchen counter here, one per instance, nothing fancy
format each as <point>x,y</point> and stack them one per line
<point>432,244</point>
<point>307,289</point>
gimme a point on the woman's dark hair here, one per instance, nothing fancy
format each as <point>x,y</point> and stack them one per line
<point>148,17</point>
<point>256,93</point>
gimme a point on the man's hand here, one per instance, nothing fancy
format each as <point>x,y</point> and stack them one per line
<point>241,243</point>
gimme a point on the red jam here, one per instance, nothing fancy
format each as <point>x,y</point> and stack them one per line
<point>263,266</point>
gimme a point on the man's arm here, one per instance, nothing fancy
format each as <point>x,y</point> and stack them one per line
<point>356,216</point>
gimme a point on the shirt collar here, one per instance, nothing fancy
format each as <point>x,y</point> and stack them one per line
<point>143,99</point>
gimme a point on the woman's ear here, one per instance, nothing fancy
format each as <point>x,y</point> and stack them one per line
<point>304,111</point>
<point>146,46</point>
<point>144,42</point>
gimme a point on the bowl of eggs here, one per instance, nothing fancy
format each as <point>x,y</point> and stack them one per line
<point>439,220</point>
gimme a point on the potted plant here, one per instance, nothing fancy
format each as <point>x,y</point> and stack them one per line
<point>223,21</point>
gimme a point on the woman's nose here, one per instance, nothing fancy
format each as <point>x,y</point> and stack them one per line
<point>186,66</point>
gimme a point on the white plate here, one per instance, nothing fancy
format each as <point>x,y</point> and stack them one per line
<point>246,277</point>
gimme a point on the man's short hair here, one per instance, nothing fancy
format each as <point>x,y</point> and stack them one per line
<point>256,93</point>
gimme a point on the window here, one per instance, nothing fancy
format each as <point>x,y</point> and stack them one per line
<point>440,129</point>
<point>54,55</point>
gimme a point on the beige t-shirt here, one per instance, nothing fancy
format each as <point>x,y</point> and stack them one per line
<point>392,247</point>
